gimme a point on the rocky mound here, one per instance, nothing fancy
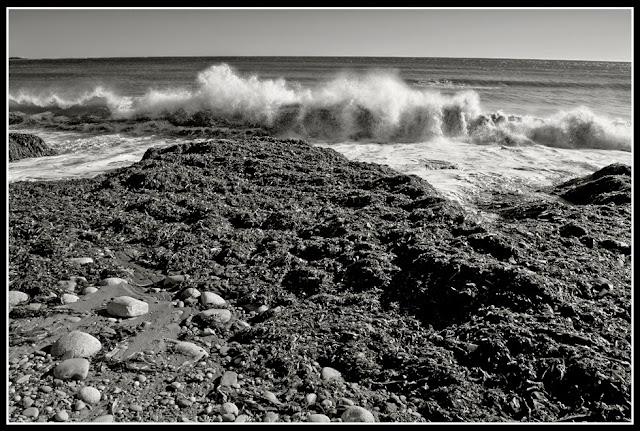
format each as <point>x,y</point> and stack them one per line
<point>22,145</point>
<point>610,184</point>
<point>335,291</point>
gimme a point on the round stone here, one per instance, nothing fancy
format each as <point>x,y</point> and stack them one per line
<point>191,349</point>
<point>126,306</point>
<point>103,418</point>
<point>82,345</point>
<point>213,299</point>
<point>31,412</point>
<point>75,368</point>
<point>16,297</point>
<point>89,395</point>
<point>218,314</point>
<point>318,417</point>
<point>328,374</point>
<point>228,408</point>
<point>62,416</point>
<point>89,289</point>
<point>68,298</point>
<point>357,414</point>
<point>112,281</point>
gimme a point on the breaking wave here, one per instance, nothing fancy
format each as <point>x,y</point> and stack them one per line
<point>377,106</point>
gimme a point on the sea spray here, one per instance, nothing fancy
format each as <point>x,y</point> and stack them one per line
<point>377,106</point>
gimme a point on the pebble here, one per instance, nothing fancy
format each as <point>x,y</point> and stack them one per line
<point>104,418</point>
<point>16,297</point>
<point>135,407</point>
<point>213,299</point>
<point>62,416</point>
<point>80,405</point>
<point>89,289</point>
<point>89,395</point>
<point>262,309</point>
<point>31,412</point>
<point>183,402</point>
<point>228,417</point>
<point>74,319</point>
<point>242,418</point>
<point>346,402</point>
<point>328,374</point>
<point>80,343</point>
<point>270,417</point>
<point>228,408</point>
<point>142,378</point>
<point>27,402</point>
<point>318,417</point>
<point>35,306</point>
<point>80,260</point>
<point>68,285</point>
<point>76,368</point>
<point>173,279</point>
<point>68,298</point>
<point>46,389</point>
<point>23,379</point>
<point>311,398</point>
<point>229,378</point>
<point>126,306</point>
<point>190,292</point>
<point>112,281</point>
<point>191,349</point>
<point>219,314</point>
<point>270,396</point>
<point>357,414</point>
<point>208,331</point>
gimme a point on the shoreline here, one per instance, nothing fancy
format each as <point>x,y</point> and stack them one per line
<point>323,264</point>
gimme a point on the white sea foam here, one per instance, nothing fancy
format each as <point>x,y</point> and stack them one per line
<point>375,107</point>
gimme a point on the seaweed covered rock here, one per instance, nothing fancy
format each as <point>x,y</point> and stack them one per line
<point>22,146</point>
<point>611,184</point>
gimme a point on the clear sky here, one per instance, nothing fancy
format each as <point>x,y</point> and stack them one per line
<point>580,34</point>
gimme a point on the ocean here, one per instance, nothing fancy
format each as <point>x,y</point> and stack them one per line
<point>471,127</point>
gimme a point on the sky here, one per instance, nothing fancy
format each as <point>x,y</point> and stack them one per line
<point>569,34</point>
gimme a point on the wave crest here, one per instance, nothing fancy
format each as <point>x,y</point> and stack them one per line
<point>377,106</point>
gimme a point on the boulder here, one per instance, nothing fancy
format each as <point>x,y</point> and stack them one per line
<point>22,146</point>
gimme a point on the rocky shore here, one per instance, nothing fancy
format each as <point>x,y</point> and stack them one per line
<point>265,280</point>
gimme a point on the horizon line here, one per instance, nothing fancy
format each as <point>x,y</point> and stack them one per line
<point>14,57</point>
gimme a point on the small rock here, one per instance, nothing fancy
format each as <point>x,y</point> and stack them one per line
<point>328,374</point>
<point>74,319</point>
<point>213,299</point>
<point>31,412</point>
<point>80,260</point>
<point>23,379</point>
<point>135,407</point>
<point>270,396</point>
<point>68,285</point>
<point>68,298</point>
<point>228,417</point>
<point>27,402</point>
<point>190,292</point>
<point>80,405</point>
<point>191,349</point>
<point>16,297</point>
<point>89,289</point>
<point>183,402</point>
<point>219,314</point>
<point>311,398</point>
<point>62,416</point>
<point>126,306</point>
<point>76,368</point>
<point>104,418</point>
<point>82,345</point>
<point>113,281</point>
<point>357,414</point>
<point>241,418</point>
<point>46,389</point>
<point>318,417</point>
<point>270,417</point>
<point>89,395</point>
<point>173,279</point>
<point>228,408</point>
<point>572,229</point>
<point>229,378</point>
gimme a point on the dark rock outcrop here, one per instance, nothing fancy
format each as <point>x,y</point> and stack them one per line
<point>610,184</point>
<point>22,146</point>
